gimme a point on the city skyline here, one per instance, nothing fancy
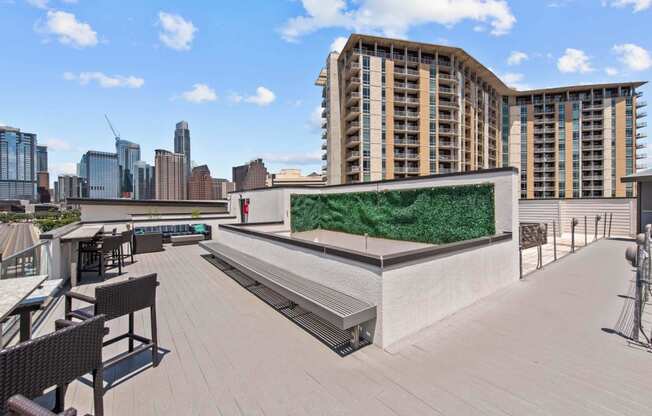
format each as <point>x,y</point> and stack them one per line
<point>117,57</point>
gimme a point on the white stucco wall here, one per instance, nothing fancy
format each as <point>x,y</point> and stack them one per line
<point>418,295</point>
<point>118,212</point>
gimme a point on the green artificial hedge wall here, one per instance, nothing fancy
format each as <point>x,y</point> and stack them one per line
<point>429,215</point>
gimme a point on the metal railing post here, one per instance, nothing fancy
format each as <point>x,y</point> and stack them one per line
<point>554,239</point>
<point>597,221</point>
<point>604,226</point>
<point>585,239</point>
<point>636,256</point>
<point>573,225</point>
<point>611,217</point>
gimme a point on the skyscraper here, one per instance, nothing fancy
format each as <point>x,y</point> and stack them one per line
<point>396,109</point>
<point>17,164</point>
<point>41,158</point>
<point>182,144</point>
<point>170,175</point>
<point>144,181</point>
<point>101,173</point>
<point>250,176</point>
<point>200,184</point>
<point>222,187</point>
<point>128,154</point>
<point>67,186</point>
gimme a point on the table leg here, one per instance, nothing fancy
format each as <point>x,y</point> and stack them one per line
<point>25,325</point>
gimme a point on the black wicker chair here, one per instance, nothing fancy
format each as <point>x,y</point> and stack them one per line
<point>56,359</point>
<point>128,241</point>
<point>121,299</point>
<point>19,405</point>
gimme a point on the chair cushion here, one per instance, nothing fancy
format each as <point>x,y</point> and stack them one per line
<point>200,229</point>
<point>84,313</point>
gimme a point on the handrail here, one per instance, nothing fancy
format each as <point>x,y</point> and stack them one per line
<point>23,251</point>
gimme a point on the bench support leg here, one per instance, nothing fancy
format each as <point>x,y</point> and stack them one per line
<point>355,337</point>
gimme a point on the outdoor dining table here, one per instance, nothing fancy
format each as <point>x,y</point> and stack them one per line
<point>82,234</point>
<point>13,293</point>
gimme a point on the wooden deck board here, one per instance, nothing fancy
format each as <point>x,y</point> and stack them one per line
<point>535,348</point>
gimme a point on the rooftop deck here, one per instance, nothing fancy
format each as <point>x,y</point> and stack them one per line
<point>535,348</point>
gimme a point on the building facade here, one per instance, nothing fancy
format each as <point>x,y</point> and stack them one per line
<point>293,177</point>
<point>182,144</point>
<point>200,184</point>
<point>170,175</point>
<point>222,187</point>
<point>250,176</point>
<point>101,175</point>
<point>128,154</point>
<point>67,186</point>
<point>395,109</point>
<point>41,158</point>
<point>144,181</point>
<point>17,164</point>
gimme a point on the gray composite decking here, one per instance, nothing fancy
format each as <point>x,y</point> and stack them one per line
<point>338,308</point>
<point>535,348</point>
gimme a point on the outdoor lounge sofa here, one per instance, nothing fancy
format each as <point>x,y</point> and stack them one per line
<point>167,231</point>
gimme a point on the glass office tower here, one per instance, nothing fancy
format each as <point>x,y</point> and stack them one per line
<point>17,164</point>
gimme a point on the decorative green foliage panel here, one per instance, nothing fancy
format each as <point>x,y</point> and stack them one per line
<point>429,215</point>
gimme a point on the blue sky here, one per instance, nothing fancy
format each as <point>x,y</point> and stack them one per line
<point>242,73</point>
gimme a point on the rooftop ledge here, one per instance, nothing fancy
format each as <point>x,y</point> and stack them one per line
<point>397,258</point>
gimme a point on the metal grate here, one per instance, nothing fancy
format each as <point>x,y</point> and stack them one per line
<point>336,339</point>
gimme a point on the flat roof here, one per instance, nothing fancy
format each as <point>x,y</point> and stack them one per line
<point>644,175</point>
<point>536,347</point>
<point>154,202</point>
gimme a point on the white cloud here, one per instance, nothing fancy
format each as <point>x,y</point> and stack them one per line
<point>309,158</point>
<point>395,17</point>
<point>2,123</point>
<point>338,44</point>
<point>200,93</point>
<point>633,56</point>
<point>235,98</point>
<point>316,118</point>
<point>479,28</point>
<point>611,71</point>
<point>516,58</point>
<point>105,81</point>
<point>639,5</point>
<point>574,60</point>
<point>65,168</point>
<point>58,144</point>
<point>262,98</point>
<point>68,30</point>
<point>514,80</point>
<point>177,33</point>
<point>41,4</point>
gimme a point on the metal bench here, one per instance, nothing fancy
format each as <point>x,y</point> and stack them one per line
<point>341,310</point>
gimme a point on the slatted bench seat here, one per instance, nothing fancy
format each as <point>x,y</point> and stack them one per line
<point>341,310</point>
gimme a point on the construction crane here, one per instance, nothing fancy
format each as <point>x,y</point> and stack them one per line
<point>115,133</point>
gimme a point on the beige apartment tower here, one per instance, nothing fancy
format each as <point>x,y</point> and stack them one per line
<point>395,109</point>
<point>170,175</point>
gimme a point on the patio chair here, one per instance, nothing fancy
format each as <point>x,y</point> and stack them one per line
<point>56,359</point>
<point>127,240</point>
<point>19,405</point>
<point>121,299</point>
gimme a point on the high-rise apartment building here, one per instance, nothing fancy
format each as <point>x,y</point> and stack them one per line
<point>182,144</point>
<point>67,186</point>
<point>170,175</point>
<point>101,175</point>
<point>17,164</point>
<point>395,109</point>
<point>200,184</point>
<point>128,154</point>
<point>144,181</point>
<point>250,176</point>
<point>41,158</point>
<point>222,187</point>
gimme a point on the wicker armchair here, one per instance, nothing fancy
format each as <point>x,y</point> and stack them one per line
<point>121,299</point>
<point>19,405</point>
<point>56,359</point>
